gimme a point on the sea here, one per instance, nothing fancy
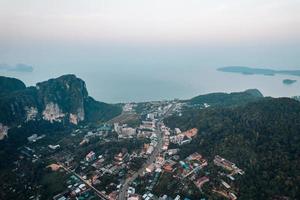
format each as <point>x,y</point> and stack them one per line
<point>119,75</point>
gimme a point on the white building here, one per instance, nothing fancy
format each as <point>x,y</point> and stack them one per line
<point>90,156</point>
<point>177,130</point>
<point>150,116</point>
<point>150,150</point>
<point>32,138</point>
<point>54,147</point>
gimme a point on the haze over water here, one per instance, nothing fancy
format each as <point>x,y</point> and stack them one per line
<point>151,50</point>
<point>115,74</point>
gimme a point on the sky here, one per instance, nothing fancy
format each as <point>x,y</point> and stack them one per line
<point>145,40</point>
<point>155,21</point>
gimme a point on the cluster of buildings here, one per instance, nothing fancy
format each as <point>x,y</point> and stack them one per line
<point>182,138</point>
<point>226,190</point>
<point>76,189</point>
<point>128,107</point>
<point>121,157</point>
<point>124,131</point>
<point>191,165</point>
<point>168,161</point>
<point>226,164</point>
<point>191,169</point>
<point>145,130</point>
<point>100,132</point>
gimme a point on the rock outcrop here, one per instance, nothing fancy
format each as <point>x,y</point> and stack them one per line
<point>64,99</point>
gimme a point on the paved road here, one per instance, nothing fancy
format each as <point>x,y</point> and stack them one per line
<point>98,193</point>
<point>151,159</point>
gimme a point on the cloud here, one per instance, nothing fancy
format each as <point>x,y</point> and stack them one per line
<point>20,67</point>
<point>170,21</point>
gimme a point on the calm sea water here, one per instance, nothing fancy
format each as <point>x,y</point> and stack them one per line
<point>124,75</point>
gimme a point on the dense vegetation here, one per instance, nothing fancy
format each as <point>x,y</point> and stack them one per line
<point>262,137</point>
<point>99,111</point>
<point>17,137</point>
<point>225,99</point>
<point>68,92</point>
<point>296,98</point>
<point>10,84</point>
<point>13,105</point>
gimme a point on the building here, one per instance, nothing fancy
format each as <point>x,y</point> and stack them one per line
<point>195,156</point>
<point>32,138</point>
<point>147,125</point>
<point>90,156</point>
<point>191,133</point>
<point>201,181</point>
<point>185,140</point>
<point>54,147</point>
<point>160,160</point>
<point>150,150</point>
<point>117,128</point>
<point>172,151</point>
<point>226,185</point>
<point>120,157</point>
<point>177,131</point>
<point>150,168</point>
<point>177,197</point>
<point>177,139</point>
<point>168,168</point>
<point>131,190</point>
<point>128,107</point>
<point>150,116</point>
<point>222,162</point>
<point>127,132</point>
<point>134,197</point>
<point>232,196</point>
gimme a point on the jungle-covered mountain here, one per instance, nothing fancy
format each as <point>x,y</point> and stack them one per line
<point>63,99</point>
<point>261,137</point>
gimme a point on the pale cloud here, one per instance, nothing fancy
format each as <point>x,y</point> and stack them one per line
<point>20,67</point>
<point>209,21</point>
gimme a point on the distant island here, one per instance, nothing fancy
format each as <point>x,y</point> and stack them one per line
<point>288,81</point>
<point>16,68</point>
<point>259,71</point>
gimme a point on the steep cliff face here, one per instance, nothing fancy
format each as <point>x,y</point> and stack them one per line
<point>64,99</point>
<point>19,106</point>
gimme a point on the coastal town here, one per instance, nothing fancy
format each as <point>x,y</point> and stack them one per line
<point>131,161</point>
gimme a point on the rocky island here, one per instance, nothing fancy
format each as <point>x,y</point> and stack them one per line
<point>259,71</point>
<point>289,81</point>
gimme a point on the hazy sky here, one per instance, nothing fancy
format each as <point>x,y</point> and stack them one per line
<point>147,41</point>
<point>147,21</point>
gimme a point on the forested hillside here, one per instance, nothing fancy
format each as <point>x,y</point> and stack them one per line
<point>262,137</point>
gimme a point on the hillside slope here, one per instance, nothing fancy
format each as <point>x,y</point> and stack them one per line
<point>8,85</point>
<point>227,99</point>
<point>262,137</point>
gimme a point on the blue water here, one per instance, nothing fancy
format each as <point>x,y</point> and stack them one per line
<point>123,74</point>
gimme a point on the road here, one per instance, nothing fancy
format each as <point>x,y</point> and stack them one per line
<point>98,193</point>
<point>151,159</point>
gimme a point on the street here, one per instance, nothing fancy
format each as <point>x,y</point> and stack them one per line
<point>151,159</point>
